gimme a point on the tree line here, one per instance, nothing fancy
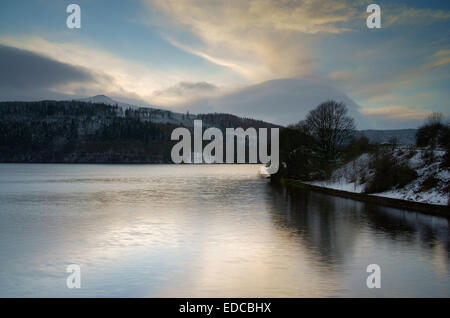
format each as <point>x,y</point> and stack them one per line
<point>73,131</point>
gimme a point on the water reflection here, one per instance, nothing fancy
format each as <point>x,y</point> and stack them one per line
<point>326,220</point>
<point>350,235</point>
<point>185,231</point>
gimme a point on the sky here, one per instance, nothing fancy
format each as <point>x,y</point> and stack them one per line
<point>267,59</point>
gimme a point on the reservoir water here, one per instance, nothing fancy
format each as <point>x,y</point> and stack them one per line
<point>205,231</point>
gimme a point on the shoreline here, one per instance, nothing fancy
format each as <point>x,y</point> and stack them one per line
<point>426,208</point>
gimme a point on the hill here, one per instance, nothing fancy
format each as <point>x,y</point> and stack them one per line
<point>402,136</point>
<point>92,132</point>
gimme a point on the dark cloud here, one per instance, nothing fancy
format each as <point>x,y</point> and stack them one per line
<point>27,75</point>
<point>283,101</point>
<point>287,101</point>
<point>187,89</point>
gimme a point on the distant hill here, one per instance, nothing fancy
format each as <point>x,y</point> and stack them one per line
<point>96,130</point>
<point>103,99</point>
<point>158,115</point>
<point>402,136</point>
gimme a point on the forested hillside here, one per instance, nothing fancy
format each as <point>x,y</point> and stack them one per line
<point>77,131</point>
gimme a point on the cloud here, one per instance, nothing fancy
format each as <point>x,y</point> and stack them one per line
<point>343,75</point>
<point>184,92</point>
<point>267,39</point>
<point>281,101</point>
<point>398,81</point>
<point>440,58</point>
<point>261,39</point>
<point>25,74</point>
<point>225,62</point>
<point>397,112</point>
<point>287,101</point>
<point>403,15</point>
<point>24,69</point>
<point>188,89</point>
<point>114,76</point>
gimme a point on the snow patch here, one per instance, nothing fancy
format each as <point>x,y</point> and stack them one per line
<point>354,176</point>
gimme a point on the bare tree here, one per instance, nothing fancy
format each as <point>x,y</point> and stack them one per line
<point>435,118</point>
<point>331,126</point>
<point>433,133</point>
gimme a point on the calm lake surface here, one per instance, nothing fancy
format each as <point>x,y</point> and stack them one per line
<point>205,231</point>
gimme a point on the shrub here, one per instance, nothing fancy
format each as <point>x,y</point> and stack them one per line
<point>411,153</point>
<point>428,156</point>
<point>404,175</point>
<point>444,137</point>
<point>297,155</point>
<point>357,147</point>
<point>446,160</point>
<point>429,183</point>
<point>389,173</point>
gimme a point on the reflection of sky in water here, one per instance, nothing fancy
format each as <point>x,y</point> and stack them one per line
<point>143,230</point>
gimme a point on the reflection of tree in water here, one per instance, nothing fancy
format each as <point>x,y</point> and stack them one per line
<point>315,221</point>
<point>409,226</point>
<point>331,225</point>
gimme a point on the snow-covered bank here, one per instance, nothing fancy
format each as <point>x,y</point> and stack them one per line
<point>431,186</point>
